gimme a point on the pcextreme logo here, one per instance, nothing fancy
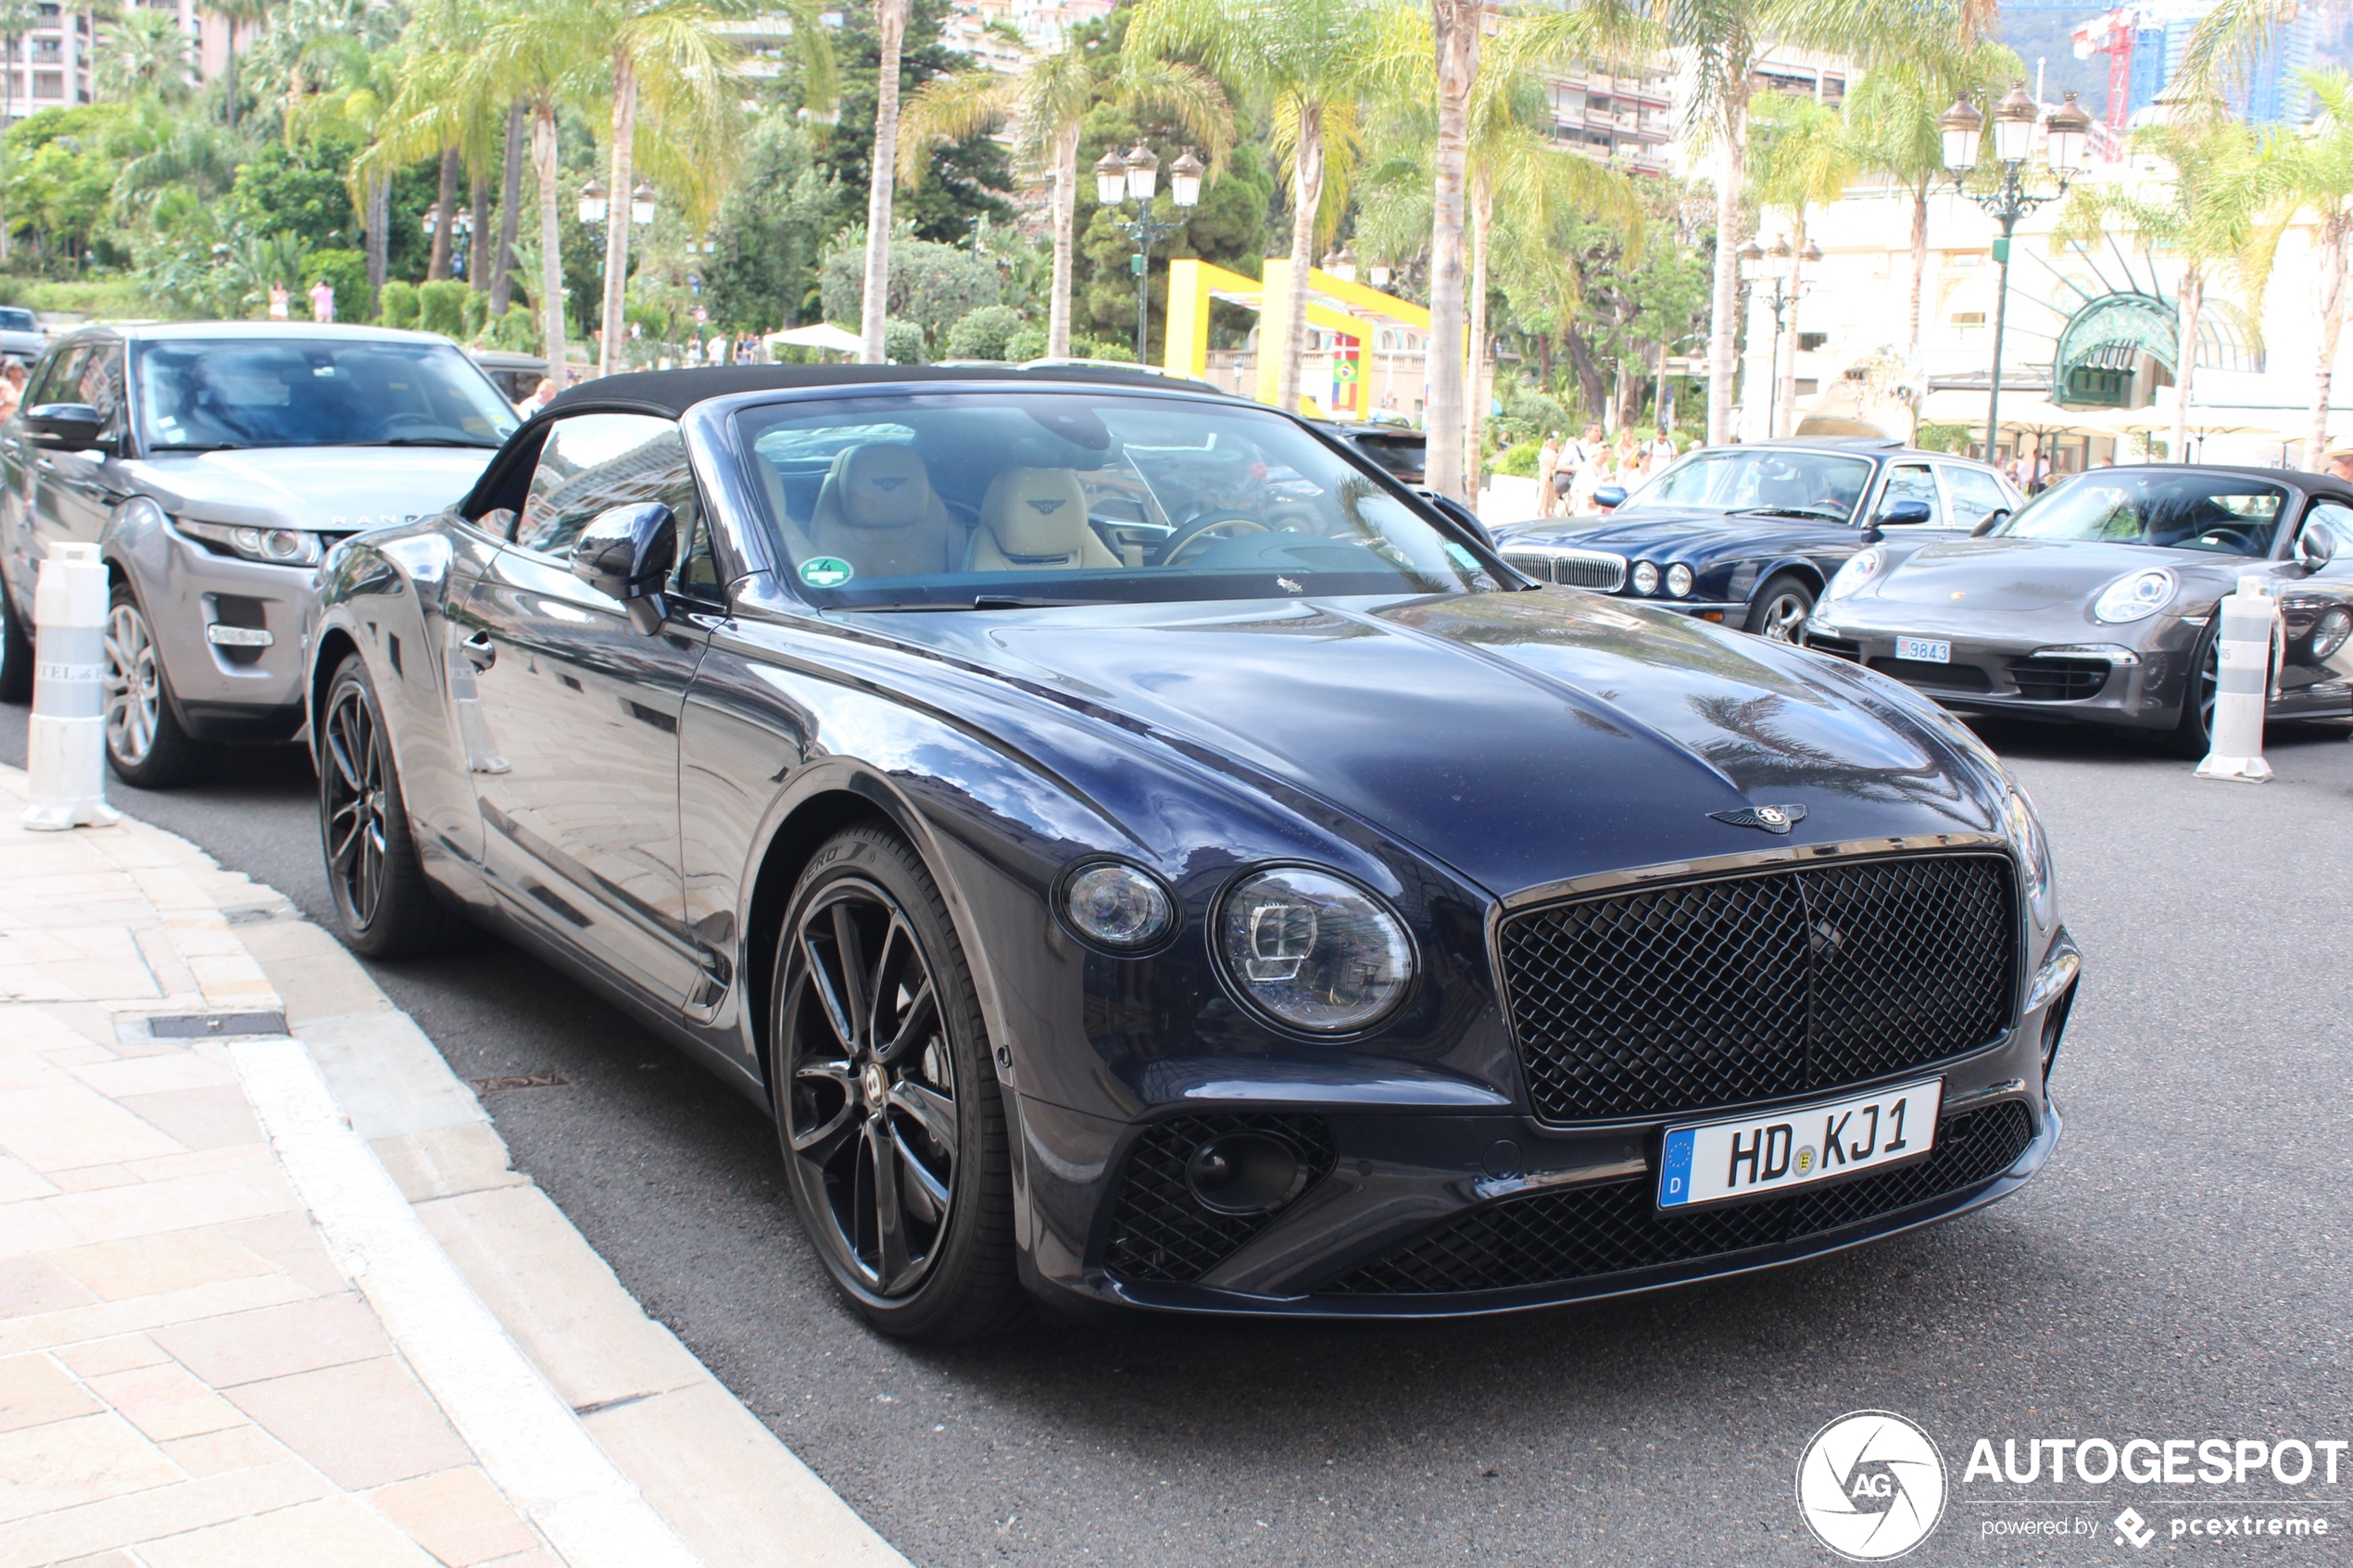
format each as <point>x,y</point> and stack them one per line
<point>1871,1486</point>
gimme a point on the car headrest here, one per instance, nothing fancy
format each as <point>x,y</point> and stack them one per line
<point>1035,513</point>
<point>878,484</point>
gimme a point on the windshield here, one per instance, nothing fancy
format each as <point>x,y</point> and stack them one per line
<point>201,394</point>
<point>16,320</point>
<point>982,500</point>
<point>1769,479</point>
<point>2182,512</point>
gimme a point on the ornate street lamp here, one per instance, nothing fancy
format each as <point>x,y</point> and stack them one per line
<point>2067,143</point>
<point>1120,181</point>
<point>592,202</point>
<point>1779,268</point>
<point>641,204</point>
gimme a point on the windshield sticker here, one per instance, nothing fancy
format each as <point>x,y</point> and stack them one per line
<point>826,572</point>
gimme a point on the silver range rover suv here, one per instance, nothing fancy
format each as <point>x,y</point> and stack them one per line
<point>214,463</point>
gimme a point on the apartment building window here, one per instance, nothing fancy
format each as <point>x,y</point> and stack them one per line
<point>1811,342</point>
<point>48,84</point>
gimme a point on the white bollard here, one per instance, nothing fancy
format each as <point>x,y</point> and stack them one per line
<point>2244,644</point>
<point>67,748</point>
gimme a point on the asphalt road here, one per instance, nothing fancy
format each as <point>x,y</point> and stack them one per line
<point>2179,1270</point>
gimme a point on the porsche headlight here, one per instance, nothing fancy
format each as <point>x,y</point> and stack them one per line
<point>1644,577</point>
<point>2135,597</point>
<point>1678,580</point>
<point>277,546</point>
<point>1860,568</point>
<point>1314,951</point>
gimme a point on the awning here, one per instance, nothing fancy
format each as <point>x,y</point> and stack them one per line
<point>2040,415</point>
<point>823,335</point>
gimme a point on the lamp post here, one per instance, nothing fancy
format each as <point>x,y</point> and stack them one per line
<point>2067,140</point>
<point>461,229</point>
<point>1778,266</point>
<point>596,206</point>
<point>1119,181</point>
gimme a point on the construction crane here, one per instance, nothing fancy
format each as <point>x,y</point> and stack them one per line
<point>2112,35</point>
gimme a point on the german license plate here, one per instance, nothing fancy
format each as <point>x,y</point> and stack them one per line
<point>1926,650</point>
<point>1774,1152</point>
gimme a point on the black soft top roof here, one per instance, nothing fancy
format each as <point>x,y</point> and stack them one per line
<point>675,392</point>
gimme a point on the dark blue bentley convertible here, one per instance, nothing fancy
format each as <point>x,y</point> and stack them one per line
<point>1137,851</point>
<point>1748,536</point>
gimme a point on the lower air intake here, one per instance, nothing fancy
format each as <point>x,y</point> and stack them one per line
<point>1163,1232</point>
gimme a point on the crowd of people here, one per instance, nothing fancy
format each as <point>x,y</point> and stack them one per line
<point>1568,472</point>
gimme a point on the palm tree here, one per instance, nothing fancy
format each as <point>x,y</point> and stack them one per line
<point>1048,100</point>
<point>2312,171</point>
<point>1800,159</point>
<point>18,18</point>
<point>1306,60</point>
<point>1892,119</point>
<point>145,54</point>
<point>536,56</point>
<point>237,13</point>
<point>440,110</point>
<point>2204,216</point>
<point>890,26</point>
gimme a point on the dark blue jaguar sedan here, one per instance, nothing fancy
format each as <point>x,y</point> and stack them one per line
<point>1137,851</point>
<point>1748,536</point>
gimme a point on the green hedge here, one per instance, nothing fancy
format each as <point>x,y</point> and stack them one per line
<point>441,306</point>
<point>397,304</point>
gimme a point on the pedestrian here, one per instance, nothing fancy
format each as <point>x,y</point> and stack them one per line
<point>12,380</point>
<point>541,395</point>
<point>1548,463</point>
<point>1662,451</point>
<point>322,301</point>
<point>278,302</point>
<point>1633,458</point>
<point>2337,463</point>
<point>1585,461</point>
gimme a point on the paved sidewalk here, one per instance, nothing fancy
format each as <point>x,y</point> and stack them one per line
<point>189,1374</point>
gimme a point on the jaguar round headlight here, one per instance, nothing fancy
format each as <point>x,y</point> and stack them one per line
<point>1860,568</point>
<point>2135,597</point>
<point>1118,906</point>
<point>1678,580</point>
<point>1645,577</point>
<point>1312,950</point>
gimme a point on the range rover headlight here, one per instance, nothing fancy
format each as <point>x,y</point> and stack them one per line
<point>1860,569</point>
<point>1678,580</point>
<point>276,547</point>
<point>2135,597</point>
<point>1644,577</point>
<point>1312,950</point>
<point>1118,906</point>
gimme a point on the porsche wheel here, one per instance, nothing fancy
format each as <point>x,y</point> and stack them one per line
<point>887,1109</point>
<point>1779,612</point>
<point>2194,733</point>
<point>384,907</point>
<point>145,746</point>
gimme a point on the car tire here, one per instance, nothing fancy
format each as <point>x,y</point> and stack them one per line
<point>16,650</point>
<point>384,905</point>
<point>2192,734</point>
<point>888,1113</point>
<point>146,748</point>
<point>1779,611</point>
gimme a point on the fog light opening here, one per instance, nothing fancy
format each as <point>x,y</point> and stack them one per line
<point>1245,1173</point>
<point>2055,1026</point>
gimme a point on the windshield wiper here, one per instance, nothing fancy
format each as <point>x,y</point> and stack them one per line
<point>203,446</point>
<point>430,441</point>
<point>1787,512</point>
<point>982,601</point>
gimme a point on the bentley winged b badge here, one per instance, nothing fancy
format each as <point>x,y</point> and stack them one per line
<point>1773,819</point>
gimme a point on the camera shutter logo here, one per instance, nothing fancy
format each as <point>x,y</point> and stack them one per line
<point>1871,1486</point>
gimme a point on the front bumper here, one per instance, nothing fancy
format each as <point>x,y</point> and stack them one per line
<point>2139,688</point>
<point>1418,1213</point>
<point>228,684</point>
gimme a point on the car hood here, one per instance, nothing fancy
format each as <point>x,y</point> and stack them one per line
<point>1520,738</point>
<point>1669,532</point>
<point>2016,575</point>
<point>322,487</point>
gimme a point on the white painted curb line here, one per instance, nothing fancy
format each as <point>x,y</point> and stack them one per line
<point>526,1437</point>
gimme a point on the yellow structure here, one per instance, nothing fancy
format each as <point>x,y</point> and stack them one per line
<point>1335,303</point>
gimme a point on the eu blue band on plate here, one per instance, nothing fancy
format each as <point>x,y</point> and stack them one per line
<point>1674,1183</point>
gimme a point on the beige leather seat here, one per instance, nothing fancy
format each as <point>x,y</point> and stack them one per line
<point>1035,520</point>
<point>876,511</point>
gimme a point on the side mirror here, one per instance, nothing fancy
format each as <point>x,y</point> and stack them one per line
<point>68,426</point>
<point>2316,546</point>
<point>627,553</point>
<point>1905,513</point>
<point>1989,523</point>
<point>1609,497</point>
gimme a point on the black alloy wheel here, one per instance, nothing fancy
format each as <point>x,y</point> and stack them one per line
<point>16,650</point>
<point>891,1122</point>
<point>384,907</point>
<point>1779,612</point>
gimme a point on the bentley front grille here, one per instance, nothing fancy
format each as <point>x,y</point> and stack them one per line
<point>1706,994</point>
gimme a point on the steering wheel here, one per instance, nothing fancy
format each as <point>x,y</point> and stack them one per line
<point>394,421</point>
<point>1223,526</point>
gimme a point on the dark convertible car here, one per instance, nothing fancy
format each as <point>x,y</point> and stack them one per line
<point>1747,536</point>
<point>2096,603</point>
<point>1127,876</point>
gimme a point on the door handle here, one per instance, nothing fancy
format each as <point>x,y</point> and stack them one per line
<point>481,652</point>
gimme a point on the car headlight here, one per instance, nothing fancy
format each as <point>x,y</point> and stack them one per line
<point>1118,906</point>
<point>2135,597</point>
<point>2024,830</point>
<point>274,547</point>
<point>1678,580</point>
<point>1312,950</point>
<point>1645,577</point>
<point>1860,568</point>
